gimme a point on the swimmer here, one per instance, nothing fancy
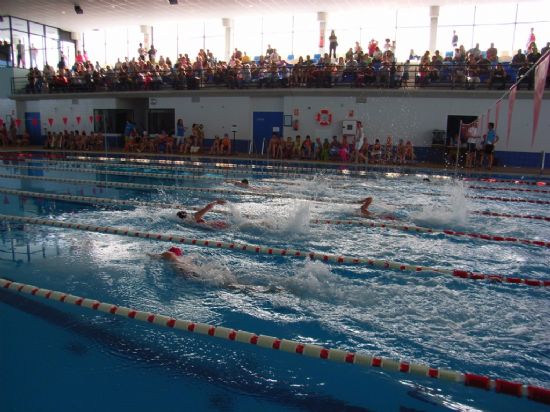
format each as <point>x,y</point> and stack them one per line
<point>187,266</point>
<point>365,212</point>
<point>243,183</point>
<point>197,217</point>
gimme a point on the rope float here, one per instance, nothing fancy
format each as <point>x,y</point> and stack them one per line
<point>511,189</point>
<point>515,181</point>
<point>449,232</point>
<point>215,244</point>
<point>535,393</point>
<point>509,199</point>
<point>407,228</point>
<point>141,186</point>
<point>507,215</point>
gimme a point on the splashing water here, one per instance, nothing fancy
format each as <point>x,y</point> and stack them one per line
<point>454,213</point>
<point>314,280</point>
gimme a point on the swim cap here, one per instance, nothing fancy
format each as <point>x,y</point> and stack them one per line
<point>176,251</point>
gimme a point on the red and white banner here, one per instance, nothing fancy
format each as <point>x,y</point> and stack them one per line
<point>511,101</point>
<point>497,112</point>
<point>541,72</point>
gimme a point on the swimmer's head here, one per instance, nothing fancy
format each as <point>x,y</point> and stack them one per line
<point>176,251</point>
<point>244,181</point>
<point>181,214</point>
<point>367,201</point>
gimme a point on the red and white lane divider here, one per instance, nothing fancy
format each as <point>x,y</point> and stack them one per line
<point>164,176</point>
<point>535,393</point>
<point>510,189</point>
<point>243,247</point>
<point>514,181</point>
<point>418,229</point>
<point>142,186</point>
<point>514,216</point>
<point>509,199</point>
<point>449,232</point>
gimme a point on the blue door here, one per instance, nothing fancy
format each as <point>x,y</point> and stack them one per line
<point>263,126</point>
<point>32,124</point>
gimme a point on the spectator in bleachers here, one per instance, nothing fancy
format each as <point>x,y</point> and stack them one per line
<point>531,39</point>
<point>472,72</point>
<point>475,51</point>
<point>373,44</point>
<point>388,150</point>
<point>498,75</point>
<point>333,43</point>
<point>533,56</point>
<point>454,40</point>
<point>492,54</point>
<point>518,60</point>
<point>225,147</point>
<point>525,76</point>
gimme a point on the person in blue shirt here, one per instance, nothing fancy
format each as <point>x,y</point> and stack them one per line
<point>491,139</point>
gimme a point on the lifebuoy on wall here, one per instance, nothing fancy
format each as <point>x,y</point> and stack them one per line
<point>324,117</point>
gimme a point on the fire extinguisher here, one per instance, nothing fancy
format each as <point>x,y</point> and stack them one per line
<point>295,124</point>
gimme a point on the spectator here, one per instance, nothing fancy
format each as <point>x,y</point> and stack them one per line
<point>531,39</point>
<point>492,54</point>
<point>498,75</point>
<point>454,40</point>
<point>225,145</point>
<point>409,151</point>
<point>215,149</point>
<point>333,43</point>
<point>545,48</point>
<point>518,60</point>
<point>20,54</point>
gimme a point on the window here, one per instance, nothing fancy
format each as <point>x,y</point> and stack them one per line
<point>112,121</point>
<point>160,120</point>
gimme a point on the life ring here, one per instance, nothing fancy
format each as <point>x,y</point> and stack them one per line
<point>324,117</point>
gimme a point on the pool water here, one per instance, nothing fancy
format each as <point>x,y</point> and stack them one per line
<point>55,354</point>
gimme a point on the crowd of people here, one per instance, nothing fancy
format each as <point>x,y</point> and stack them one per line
<point>375,66</point>
<point>10,137</point>
<point>74,140</point>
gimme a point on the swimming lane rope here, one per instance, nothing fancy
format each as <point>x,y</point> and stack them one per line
<point>330,258</point>
<point>511,189</point>
<point>407,228</point>
<point>509,199</point>
<point>515,181</point>
<point>508,215</point>
<point>535,393</point>
<point>141,186</point>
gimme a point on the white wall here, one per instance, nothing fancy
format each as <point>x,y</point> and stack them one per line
<point>400,115</point>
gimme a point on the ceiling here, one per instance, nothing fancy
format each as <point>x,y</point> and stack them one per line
<point>104,13</point>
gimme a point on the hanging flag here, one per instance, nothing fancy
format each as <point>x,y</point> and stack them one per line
<point>50,121</point>
<point>34,121</point>
<point>78,119</point>
<point>65,121</point>
<point>541,72</point>
<point>497,111</point>
<point>18,122</point>
<point>91,118</point>
<point>511,100</point>
<point>97,117</point>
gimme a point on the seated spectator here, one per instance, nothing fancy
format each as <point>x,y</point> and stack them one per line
<point>388,150</point>
<point>376,152</point>
<point>215,149</point>
<point>498,75</point>
<point>518,60</point>
<point>458,75</point>
<point>287,147</point>
<point>363,152</point>
<point>325,150</point>
<point>297,149</point>
<point>492,54</point>
<point>409,151</point>
<point>225,145</point>
<point>307,148</point>
<point>472,73</point>
<point>274,149</point>
<point>334,148</point>
<point>525,76</point>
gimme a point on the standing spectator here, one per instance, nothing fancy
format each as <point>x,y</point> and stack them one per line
<point>545,48</point>
<point>180,132</point>
<point>333,43</point>
<point>532,39</point>
<point>454,40</point>
<point>34,54</point>
<point>373,44</point>
<point>152,54</point>
<point>20,54</point>
<point>491,139</point>
<point>79,58</point>
<point>141,52</point>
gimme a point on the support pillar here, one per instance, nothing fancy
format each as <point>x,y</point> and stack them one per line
<point>146,31</point>
<point>434,15</point>
<point>228,26</point>
<point>322,19</point>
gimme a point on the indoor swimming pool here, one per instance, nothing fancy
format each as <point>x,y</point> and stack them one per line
<point>398,286</point>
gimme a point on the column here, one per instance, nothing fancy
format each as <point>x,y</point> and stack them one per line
<point>228,26</point>
<point>146,31</point>
<point>434,14</point>
<point>322,19</point>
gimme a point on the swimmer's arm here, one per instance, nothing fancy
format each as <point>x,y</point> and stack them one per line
<point>164,255</point>
<point>198,215</point>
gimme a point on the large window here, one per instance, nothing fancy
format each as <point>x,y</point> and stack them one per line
<point>112,121</point>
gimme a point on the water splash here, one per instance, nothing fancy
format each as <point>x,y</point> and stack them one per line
<point>314,280</point>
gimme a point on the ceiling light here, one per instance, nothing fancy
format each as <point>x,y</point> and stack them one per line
<point>78,9</point>
<point>173,2</point>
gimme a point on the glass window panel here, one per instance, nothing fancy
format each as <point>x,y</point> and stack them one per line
<point>18,24</point>
<point>115,46</point>
<point>215,37</point>
<point>523,31</point>
<point>37,51</point>
<point>533,11</point>
<point>165,40</point>
<point>94,43</point>
<point>36,28</point>
<point>247,35</point>
<point>134,38</point>
<point>21,49</point>
<point>6,50</point>
<point>5,24</point>
<point>191,38</point>
<point>348,29</point>
<point>413,17</point>
<point>278,33</point>
<point>500,35</point>
<point>487,13</point>
<point>456,17</point>
<point>52,32</point>
<point>417,39</point>
<point>68,48</point>
<point>52,52</point>
<point>444,39</point>
<point>306,35</point>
